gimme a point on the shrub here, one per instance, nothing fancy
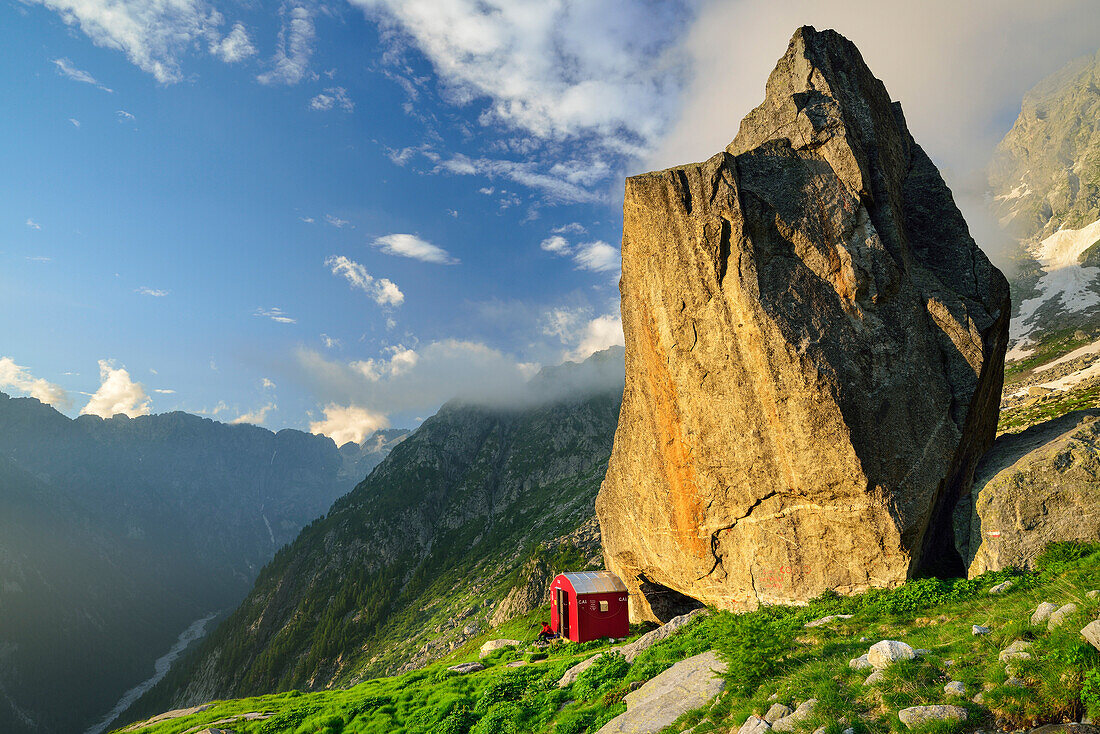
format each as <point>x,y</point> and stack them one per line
<point>754,645</point>
<point>605,672</point>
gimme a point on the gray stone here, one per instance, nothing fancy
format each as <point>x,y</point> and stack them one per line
<point>1091,632</point>
<point>977,629</point>
<point>464,668</point>
<point>1016,683</point>
<point>492,646</point>
<point>789,723</point>
<point>826,620</point>
<point>860,663</point>
<point>955,688</point>
<point>1059,615</point>
<point>754,725</point>
<point>874,677</point>
<point>1018,650</point>
<point>1001,587</point>
<point>919,715</point>
<point>1070,728</point>
<point>979,698</point>
<point>885,652</point>
<point>516,664</point>
<point>1093,594</point>
<point>648,640</point>
<point>687,685</point>
<point>571,674</point>
<point>776,712</point>
<point>1042,612</point>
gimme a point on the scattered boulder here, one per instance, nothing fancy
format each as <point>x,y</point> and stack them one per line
<point>861,663</point>
<point>571,675</point>
<point>826,620</point>
<point>977,629</point>
<point>1059,615</point>
<point>814,349</point>
<point>1069,728</point>
<point>515,664</point>
<point>955,688</point>
<point>492,646</point>
<point>1016,683</point>
<point>875,677</point>
<point>1018,650</point>
<point>1002,587</point>
<point>463,668</point>
<point>915,716</point>
<point>777,712</point>
<point>687,685</point>
<point>1043,612</point>
<point>1032,488</point>
<point>754,725</point>
<point>1093,594</point>
<point>791,722</point>
<point>885,652</point>
<point>1091,633</point>
<point>648,640</point>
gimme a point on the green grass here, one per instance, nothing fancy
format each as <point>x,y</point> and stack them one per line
<point>1056,404</point>
<point>771,654</point>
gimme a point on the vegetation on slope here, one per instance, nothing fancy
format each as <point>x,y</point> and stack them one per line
<point>772,657</point>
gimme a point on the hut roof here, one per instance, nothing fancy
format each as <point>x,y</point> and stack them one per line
<point>595,582</point>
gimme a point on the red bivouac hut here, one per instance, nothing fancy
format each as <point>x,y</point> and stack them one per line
<point>589,605</point>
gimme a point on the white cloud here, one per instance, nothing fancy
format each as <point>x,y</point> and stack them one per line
<point>597,256</point>
<point>66,69</point>
<point>398,361</point>
<point>235,47</point>
<point>556,186</point>
<point>571,228</point>
<point>409,245</point>
<point>256,417</point>
<point>295,47</point>
<point>348,423</point>
<point>154,292</point>
<point>38,258</point>
<point>329,342</point>
<point>33,224</point>
<point>75,122</point>
<point>13,376</point>
<point>487,190</point>
<point>552,70</point>
<point>117,393</point>
<point>307,220</point>
<point>557,245</point>
<point>124,116</point>
<point>275,314</point>
<point>332,97</point>
<point>598,334</point>
<point>163,391</point>
<point>383,291</point>
<point>154,34</point>
<point>336,221</point>
<point>267,384</point>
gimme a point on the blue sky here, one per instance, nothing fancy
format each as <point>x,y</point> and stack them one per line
<point>337,215</point>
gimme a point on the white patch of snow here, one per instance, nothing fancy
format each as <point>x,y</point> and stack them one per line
<point>1074,378</point>
<point>269,529</point>
<point>1017,193</point>
<point>1064,279</point>
<point>1093,348</point>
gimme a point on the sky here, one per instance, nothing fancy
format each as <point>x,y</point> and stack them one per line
<point>335,215</point>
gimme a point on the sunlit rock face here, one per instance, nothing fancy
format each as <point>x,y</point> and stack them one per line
<point>814,354</point>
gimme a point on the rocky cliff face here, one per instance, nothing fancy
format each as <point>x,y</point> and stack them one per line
<point>814,353</point>
<point>115,535</point>
<point>421,555</point>
<point>1031,489</point>
<point>1045,184</point>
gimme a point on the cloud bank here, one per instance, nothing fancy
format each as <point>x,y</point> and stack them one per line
<point>117,394</point>
<point>15,377</point>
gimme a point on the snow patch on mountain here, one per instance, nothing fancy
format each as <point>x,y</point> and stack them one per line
<point>1065,279</point>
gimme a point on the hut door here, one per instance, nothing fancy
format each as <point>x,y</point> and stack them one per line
<point>563,612</point>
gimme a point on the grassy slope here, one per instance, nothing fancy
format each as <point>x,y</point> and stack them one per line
<point>770,653</point>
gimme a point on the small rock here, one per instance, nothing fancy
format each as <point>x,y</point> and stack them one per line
<point>948,663</point>
<point>979,698</point>
<point>874,678</point>
<point>886,652</point>
<point>921,652</point>
<point>860,663</point>
<point>1093,594</point>
<point>571,674</point>
<point>773,697</point>
<point>1001,587</point>
<point>789,723</point>
<point>819,730</point>
<point>1043,612</point>
<point>777,712</point>
<point>492,646</point>
<point>1091,633</point>
<point>977,629</point>
<point>864,639</point>
<point>955,688</point>
<point>754,725</point>
<point>917,715</point>
<point>1060,615</point>
<point>826,620</point>
<point>1016,651</point>
<point>466,668</point>
<point>515,664</point>
<point>1015,683</point>
<point>849,730</point>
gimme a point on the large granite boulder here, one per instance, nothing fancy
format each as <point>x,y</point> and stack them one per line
<point>1031,489</point>
<point>814,354</point>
